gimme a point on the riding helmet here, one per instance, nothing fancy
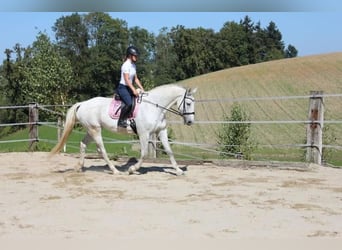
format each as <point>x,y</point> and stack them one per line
<point>132,50</point>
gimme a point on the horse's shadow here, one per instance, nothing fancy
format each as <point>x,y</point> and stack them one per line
<point>124,168</point>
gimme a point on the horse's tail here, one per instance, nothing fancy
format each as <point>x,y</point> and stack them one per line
<point>69,125</point>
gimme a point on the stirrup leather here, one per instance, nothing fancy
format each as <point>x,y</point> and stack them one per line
<point>133,125</point>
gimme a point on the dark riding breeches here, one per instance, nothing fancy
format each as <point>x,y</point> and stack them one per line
<point>125,94</point>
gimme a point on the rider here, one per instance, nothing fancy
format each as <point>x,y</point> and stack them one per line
<point>126,89</point>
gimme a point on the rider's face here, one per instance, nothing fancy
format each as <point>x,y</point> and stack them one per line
<point>134,58</point>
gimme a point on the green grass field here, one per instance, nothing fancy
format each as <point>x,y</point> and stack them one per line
<point>116,144</point>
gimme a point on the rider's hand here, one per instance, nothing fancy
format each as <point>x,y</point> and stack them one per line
<point>138,91</point>
<point>135,92</point>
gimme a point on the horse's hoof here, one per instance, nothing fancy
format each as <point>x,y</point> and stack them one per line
<point>116,172</point>
<point>79,170</point>
<point>179,172</point>
<point>131,170</point>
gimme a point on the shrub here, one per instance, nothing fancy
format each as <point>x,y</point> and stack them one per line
<point>234,138</point>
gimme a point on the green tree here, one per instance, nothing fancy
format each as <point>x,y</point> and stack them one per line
<point>249,29</point>
<point>108,40</point>
<point>194,49</point>
<point>233,45</point>
<point>145,42</point>
<point>48,76</point>
<point>164,59</point>
<point>273,42</point>
<point>11,88</point>
<point>72,39</point>
<point>259,46</point>
<point>12,75</point>
<point>291,51</point>
<point>95,45</point>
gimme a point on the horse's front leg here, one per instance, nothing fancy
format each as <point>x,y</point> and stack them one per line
<point>143,152</point>
<point>165,141</point>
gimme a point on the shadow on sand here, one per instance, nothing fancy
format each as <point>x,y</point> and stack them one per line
<point>124,168</point>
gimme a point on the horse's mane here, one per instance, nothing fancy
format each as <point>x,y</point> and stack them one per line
<point>158,88</point>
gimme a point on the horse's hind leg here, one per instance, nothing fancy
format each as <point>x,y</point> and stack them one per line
<point>165,141</point>
<point>83,147</point>
<point>96,134</point>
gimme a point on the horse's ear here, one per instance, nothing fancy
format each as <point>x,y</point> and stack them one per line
<point>192,91</point>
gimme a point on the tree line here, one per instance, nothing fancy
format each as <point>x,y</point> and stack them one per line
<point>85,59</point>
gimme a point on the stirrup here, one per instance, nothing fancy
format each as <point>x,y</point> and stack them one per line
<point>122,123</point>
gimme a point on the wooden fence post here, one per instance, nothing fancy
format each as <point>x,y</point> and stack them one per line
<point>33,126</point>
<point>314,131</point>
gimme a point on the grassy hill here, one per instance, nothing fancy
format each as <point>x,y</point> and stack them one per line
<point>286,77</point>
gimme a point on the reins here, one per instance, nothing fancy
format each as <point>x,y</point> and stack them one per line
<point>172,110</point>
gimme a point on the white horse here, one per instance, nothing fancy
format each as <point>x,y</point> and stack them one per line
<point>93,114</point>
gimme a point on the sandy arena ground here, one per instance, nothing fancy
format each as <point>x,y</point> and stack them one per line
<point>43,198</point>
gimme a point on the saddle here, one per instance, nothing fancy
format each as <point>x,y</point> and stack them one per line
<point>116,105</point>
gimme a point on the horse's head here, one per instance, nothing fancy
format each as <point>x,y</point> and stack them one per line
<point>186,106</point>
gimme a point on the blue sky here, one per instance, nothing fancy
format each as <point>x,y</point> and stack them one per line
<point>310,32</point>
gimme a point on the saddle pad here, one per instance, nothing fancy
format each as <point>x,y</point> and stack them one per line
<point>115,109</point>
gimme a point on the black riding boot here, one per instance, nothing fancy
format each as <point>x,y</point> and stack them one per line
<point>122,122</point>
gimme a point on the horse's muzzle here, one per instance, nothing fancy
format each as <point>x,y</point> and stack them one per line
<point>189,123</point>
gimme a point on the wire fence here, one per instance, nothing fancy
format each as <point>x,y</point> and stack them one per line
<point>203,148</point>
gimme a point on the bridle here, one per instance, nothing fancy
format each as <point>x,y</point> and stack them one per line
<point>176,111</point>
<point>183,103</point>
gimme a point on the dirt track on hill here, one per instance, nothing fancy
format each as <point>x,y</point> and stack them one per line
<point>42,198</point>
